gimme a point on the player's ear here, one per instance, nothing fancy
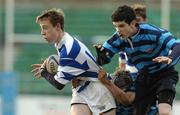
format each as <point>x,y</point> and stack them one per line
<point>134,23</point>
<point>58,25</point>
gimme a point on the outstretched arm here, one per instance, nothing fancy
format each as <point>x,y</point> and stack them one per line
<point>173,55</point>
<point>123,97</point>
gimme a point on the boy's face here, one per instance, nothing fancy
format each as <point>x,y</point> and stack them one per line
<point>125,30</point>
<point>49,32</point>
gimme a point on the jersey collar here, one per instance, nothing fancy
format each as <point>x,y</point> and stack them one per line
<point>62,41</point>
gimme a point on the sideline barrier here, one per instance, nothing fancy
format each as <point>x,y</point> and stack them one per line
<point>8,92</point>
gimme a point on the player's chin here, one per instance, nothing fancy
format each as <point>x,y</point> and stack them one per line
<point>49,41</point>
<point>45,38</point>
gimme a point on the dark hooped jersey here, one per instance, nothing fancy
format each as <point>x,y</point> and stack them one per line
<point>128,110</point>
<point>149,43</point>
<point>125,110</point>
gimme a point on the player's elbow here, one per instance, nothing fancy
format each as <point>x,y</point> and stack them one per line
<point>59,86</point>
<point>126,102</point>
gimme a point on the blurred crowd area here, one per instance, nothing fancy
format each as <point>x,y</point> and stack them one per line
<point>88,20</point>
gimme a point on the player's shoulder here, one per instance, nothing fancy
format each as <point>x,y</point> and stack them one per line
<point>114,39</point>
<point>65,42</point>
<point>72,42</point>
<point>145,26</point>
<point>74,50</point>
<point>151,28</point>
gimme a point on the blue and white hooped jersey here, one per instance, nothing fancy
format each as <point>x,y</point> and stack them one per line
<point>75,60</point>
<point>149,43</point>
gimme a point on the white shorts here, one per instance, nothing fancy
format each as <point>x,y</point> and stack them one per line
<point>96,96</point>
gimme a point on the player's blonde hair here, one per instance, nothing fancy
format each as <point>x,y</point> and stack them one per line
<point>140,10</point>
<point>54,15</point>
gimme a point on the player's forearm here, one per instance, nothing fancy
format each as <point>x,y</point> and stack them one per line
<point>50,78</point>
<point>119,94</point>
<point>175,52</point>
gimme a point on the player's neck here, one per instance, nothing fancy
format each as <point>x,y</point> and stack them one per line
<point>61,34</point>
<point>136,31</point>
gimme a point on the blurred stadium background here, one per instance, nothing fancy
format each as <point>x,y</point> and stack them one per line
<point>21,45</point>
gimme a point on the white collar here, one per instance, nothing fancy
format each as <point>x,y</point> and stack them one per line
<point>62,41</point>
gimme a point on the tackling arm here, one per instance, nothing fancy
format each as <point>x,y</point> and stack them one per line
<point>167,60</point>
<point>123,97</point>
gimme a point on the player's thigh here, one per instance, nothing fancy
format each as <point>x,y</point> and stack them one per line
<point>165,101</point>
<point>164,109</point>
<point>110,112</point>
<point>80,109</point>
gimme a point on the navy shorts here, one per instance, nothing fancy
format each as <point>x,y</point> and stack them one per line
<point>149,86</point>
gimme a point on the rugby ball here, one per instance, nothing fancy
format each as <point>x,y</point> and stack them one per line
<point>52,63</point>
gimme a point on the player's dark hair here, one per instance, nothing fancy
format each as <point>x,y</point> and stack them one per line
<point>54,15</point>
<point>123,13</point>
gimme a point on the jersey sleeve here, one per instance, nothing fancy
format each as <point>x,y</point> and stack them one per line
<point>113,45</point>
<point>168,40</point>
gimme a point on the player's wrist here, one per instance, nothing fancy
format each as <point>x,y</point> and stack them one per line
<point>43,71</point>
<point>170,59</point>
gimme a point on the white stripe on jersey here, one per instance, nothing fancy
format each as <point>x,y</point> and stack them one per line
<point>130,68</point>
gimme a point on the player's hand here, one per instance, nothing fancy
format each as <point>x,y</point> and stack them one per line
<point>100,48</point>
<point>102,76</point>
<point>163,59</point>
<point>38,68</point>
<point>75,82</point>
<point>102,54</point>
